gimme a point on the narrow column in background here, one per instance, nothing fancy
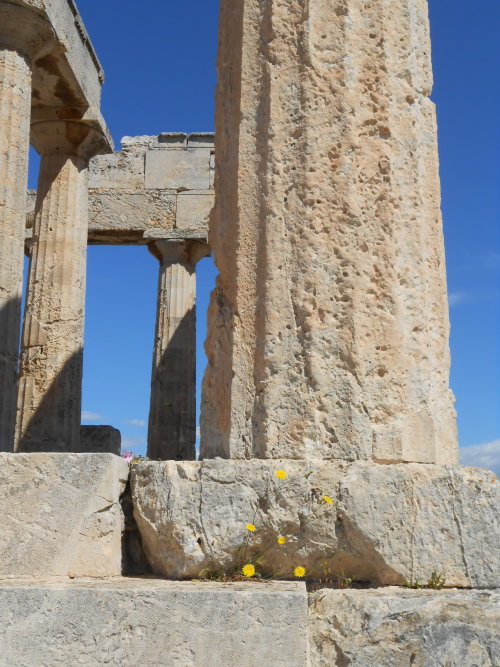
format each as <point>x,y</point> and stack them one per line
<point>21,35</point>
<point>49,400</point>
<point>172,416</point>
<point>328,328</point>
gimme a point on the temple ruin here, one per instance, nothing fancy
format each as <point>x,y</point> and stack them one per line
<point>329,454</point>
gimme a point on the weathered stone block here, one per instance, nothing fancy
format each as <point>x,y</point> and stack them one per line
<point>100,440</point>
<point>114,211</point>
<point>189,169</point>
<point>131,622</point>
<point>61,514</point>
<point>395,627</point>
<point>121,170</point>
<point>386,522</point>
<point>193,209</point>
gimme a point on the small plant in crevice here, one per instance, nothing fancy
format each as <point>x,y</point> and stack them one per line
<point>436,582</point>
<point>132,458</point>
<point>262,547</point>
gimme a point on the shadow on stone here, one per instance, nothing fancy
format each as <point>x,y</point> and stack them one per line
<point>10,314</point>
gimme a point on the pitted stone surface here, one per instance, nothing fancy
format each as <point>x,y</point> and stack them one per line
<point>328,328</point>
<point>61,515</point>
<point>394,627</point>
<point>392,521</point>
<point>130,622</point>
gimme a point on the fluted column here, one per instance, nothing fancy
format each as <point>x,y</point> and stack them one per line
<point>172,416</point>
<point>22,34</point>
<point>49,400</point>
<point>328,329</point>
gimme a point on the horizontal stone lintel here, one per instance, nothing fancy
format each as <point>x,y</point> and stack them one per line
<point>99,236</point>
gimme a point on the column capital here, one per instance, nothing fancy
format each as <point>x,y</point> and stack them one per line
<point>68,137</point>
<point>185,251</point>
<point>25,30</point>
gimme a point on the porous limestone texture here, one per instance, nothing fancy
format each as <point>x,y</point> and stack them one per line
<point>100,440</point>
<point>61,515</point>
<point>130,622</point>
<point>386,523</point>
<point>395,627</point>
<point>328,328</point>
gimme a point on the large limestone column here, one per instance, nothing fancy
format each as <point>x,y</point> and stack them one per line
<point>172,416</point>
<point>49,402</point>
<point>328,329</point>
<point>21,36</point>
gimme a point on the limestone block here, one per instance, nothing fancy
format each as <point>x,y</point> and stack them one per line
<point>61,515</point>
<point>193,209</point>
<point>115,211</point>
<point>130,622</point>
<point>121,170</point>
<point>392,521</point>
<point>395,627</point>
<point>100,440</point>
<point>179,169</point>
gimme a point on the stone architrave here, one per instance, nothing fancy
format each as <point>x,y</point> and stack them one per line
<point>172,416</point>
<point>22,33</point>
<point>328,328</point>
<point>49,399</point>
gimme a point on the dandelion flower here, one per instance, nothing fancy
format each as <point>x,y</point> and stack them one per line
<point>281,474</point>
<point>328,500</point>
<point>248,570</point>
<point>281,539</point>
<point>251,527</point>
<point>299,572</point>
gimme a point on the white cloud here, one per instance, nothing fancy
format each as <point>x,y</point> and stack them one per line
<point>135,422</point>
<point>87,415</point>
<point>486,455</point>
<point>456,297</point>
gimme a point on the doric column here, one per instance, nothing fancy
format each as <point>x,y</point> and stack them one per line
<point>49,400</point>
<point>22,35</point>
<point>172,416</point>
<point>328,329</point>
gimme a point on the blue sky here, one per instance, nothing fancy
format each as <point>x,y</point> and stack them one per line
<point>160,76</point>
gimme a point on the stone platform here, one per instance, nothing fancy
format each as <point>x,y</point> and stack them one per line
<point>130,622</point>
<point>396,627</point>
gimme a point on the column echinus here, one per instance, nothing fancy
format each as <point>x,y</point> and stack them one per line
<point>328,329</point>
<point>50,374</point>
<point>22,35</point>
<point>172,415</point>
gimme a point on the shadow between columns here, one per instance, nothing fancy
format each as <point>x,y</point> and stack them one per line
<point>10,317</point>
<point>55,424</point>
<point>172,415</point>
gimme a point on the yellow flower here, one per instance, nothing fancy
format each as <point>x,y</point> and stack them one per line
<point>281,540</point>
<point>251,527</point>
<point>248,570</point>
<point>281,474</point>
<point>327,499</point>
<point>299,572</point>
